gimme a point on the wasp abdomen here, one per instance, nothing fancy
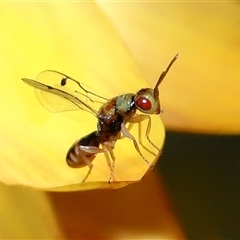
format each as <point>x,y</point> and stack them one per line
<point>83,151</point>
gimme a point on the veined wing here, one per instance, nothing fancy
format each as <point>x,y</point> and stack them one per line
<point>58,92</point>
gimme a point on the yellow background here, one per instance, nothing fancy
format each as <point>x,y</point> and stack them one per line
<point>200,94</point>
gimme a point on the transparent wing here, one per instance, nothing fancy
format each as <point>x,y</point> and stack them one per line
<point>58,92</point>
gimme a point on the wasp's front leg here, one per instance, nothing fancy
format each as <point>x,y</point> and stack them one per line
<point>138,119</point>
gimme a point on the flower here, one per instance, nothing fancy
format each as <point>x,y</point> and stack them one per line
<point>81,42</point>
<point>201,94</point>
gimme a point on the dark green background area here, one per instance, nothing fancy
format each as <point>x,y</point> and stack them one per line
<point>202,177</point>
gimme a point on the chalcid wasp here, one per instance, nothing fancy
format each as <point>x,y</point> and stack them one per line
<point>116,117</point>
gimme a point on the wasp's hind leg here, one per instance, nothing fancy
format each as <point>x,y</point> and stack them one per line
<point>88,153</point>
<point>84,151</point>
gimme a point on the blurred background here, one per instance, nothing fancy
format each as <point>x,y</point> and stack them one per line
<point>201,174</point>
<point>193,192</point>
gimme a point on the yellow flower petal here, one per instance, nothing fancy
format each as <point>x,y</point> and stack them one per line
<point>27,214</point>
<point>202,94</point>
<point>81,42</point>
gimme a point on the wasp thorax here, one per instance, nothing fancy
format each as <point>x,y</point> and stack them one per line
<point>124,103</point>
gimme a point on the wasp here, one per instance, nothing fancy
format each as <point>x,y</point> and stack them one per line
<point>112,117</point>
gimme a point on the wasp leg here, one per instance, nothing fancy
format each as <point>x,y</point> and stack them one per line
<point>88,174</point>
<point>129,127</point>
<point>83,151</point>
<point>109,147</point>
<point>138,119</point>
<point>127,134</point>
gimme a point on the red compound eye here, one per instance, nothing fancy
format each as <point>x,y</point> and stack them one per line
<point>144,103</point>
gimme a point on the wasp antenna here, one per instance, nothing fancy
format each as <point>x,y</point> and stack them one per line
<point>162,76</point>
